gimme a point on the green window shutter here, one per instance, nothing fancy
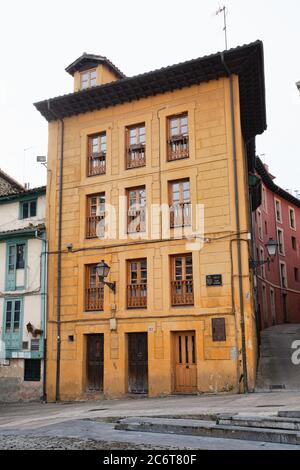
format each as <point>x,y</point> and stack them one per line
<point>11,267</point>
<point>13,324</point>
<point>8,321</point>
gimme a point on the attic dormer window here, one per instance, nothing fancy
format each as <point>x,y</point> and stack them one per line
<point>88,79</point>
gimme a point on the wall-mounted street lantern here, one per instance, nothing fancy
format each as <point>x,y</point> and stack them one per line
<point>271,246</point>
<point>102,270</point>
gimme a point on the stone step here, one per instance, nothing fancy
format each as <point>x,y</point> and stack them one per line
<point>209,429</point>
<point>289,414</point>
<point>267,422</point>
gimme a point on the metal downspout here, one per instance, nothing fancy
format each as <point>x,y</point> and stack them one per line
<point>43,267</point>
<point>237,211</point>
<point>58,318</point>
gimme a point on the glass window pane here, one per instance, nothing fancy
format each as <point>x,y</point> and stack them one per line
<point>143,196</point>
<point>186,349</point>
<point>184,121</point>
<point>180,352</point>
<point>25,210</point>
<point>8,316</point>
<point>11,258</point>
<point>173,126</point>
<point>20,264</point>
<point>16,321</point>
<point>33,209</point>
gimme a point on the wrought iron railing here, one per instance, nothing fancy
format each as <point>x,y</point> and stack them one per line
<point>136,295</point>
<point>97,164</point>
<point>180,214</point>
<point>94,298</point>
<point>182,292</point>
<point>178,147</point>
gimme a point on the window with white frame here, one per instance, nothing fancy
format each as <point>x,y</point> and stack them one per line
<point>264,199</point>
<point>261,257</point>
<point>278,210</point>
<point>292,218</point>
<point>259,225</point>
<point>280,241</point>
<point>283,277</point>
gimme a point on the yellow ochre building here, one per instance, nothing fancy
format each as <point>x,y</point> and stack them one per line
<point>148,179</point>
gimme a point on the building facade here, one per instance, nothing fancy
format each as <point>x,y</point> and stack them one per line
<point>278,283</point>
<point>133,165</point>
<point>22,290</point>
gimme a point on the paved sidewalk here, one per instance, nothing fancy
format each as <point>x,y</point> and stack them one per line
<point>90,425</point>
<point>90,435</point>
<point>34,415</point>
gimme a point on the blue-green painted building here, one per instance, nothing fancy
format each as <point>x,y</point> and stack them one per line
<point>23,297</point>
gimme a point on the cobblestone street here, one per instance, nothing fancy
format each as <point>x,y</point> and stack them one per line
<point>54,443</point>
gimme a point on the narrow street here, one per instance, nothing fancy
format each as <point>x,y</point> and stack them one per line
<point>91,425</point>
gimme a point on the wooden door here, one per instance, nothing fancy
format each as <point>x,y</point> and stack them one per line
<point>137,363</point>
<point>95,362</point>
<point>185,362</point>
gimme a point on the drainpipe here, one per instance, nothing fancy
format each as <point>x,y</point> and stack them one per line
<point>237,214</point>
<point>44,264</point>
<point>58,317</point>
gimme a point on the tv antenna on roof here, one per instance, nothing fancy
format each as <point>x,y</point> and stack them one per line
<point>223,10</point>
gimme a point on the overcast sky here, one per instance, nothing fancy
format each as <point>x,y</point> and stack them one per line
<point>39,38</point>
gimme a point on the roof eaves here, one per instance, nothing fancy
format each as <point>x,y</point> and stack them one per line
<point>29,230</point>
<point>268,181</point>
<point>71,69</point>
<point>21,194</point>
<point>247,61</point>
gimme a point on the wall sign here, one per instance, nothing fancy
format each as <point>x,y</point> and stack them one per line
<point>214,280</point>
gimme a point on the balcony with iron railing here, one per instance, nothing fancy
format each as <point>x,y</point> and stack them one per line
<point>178,147</point>
<point>180,214</point>
<point>136,156</point>
<point>94,298</point>
<point>136,295</point>
<point>182,292</point>
<point>97,163</point>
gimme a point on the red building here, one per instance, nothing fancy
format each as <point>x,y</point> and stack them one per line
<point>278,282</point>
